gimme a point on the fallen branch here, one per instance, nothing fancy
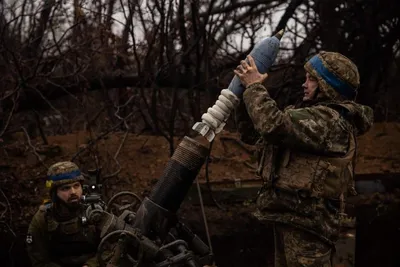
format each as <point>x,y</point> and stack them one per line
<point>93,141</point>
<point>33,148</point>
<point>251,167</point>
<point>249,149</point>
<point>115,157</point>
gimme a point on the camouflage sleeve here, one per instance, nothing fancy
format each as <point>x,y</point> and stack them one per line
<point>317,128</point>
<point>36,242</point>
<point>244,125</point>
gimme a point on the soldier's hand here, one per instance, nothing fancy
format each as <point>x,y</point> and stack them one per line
<point>248,73</point>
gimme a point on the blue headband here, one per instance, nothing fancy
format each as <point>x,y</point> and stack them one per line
<point>64,176</point>
<point>340,86</point>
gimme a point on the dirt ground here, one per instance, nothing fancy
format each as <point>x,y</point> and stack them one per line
<point>142,160</point>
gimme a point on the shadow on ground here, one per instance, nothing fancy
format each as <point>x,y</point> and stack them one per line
<point>238,240</point>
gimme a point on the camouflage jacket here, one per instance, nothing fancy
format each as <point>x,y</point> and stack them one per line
<point>322,129</point>
<point>60,244</point>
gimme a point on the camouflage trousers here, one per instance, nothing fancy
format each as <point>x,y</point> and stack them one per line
<point>296,248</point>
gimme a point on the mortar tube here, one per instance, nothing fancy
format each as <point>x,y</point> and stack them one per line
<point>156,214</point>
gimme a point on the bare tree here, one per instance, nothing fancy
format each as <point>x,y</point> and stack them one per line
<point>171,58</point>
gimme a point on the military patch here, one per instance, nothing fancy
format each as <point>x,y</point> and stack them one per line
<point>29,239</point>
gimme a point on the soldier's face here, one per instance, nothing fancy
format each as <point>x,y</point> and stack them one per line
<point>310,87</point>
<point>70,193</point>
